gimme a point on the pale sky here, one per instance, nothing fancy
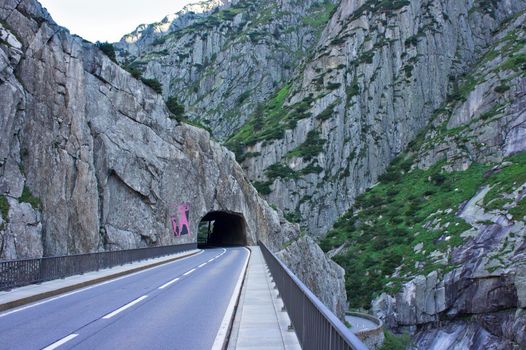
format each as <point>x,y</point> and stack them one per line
<point>109,20</point>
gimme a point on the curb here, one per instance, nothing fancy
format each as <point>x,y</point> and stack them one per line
<point>51,293</point>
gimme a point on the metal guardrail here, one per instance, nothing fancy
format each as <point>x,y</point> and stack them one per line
<point>315,325</point>
<point>18,273</point>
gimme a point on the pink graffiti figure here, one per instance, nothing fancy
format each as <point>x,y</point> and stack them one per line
<point>180,226</point>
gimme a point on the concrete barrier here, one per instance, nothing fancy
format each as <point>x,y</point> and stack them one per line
<point>373,338</point>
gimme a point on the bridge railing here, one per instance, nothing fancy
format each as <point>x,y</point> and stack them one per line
<point>315,325</point>
<point>18,273</point>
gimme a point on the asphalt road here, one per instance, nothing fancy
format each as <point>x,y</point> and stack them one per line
<point>179,305</point>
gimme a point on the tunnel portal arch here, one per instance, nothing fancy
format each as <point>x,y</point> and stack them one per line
<point>219,228</point>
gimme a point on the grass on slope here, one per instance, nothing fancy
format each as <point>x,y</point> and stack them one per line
<point>389,220</point>
<point>269,122</point>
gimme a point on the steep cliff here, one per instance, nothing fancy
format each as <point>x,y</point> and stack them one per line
<point>222,63</point>
<point>91,159</point>
<point>379,71</point>
<point>442,234</point>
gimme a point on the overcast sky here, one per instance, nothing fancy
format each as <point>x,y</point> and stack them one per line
<point>109,20</point>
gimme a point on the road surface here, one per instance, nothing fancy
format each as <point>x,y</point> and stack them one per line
<point>179,305</point>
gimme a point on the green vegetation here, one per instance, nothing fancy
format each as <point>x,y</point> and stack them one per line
<point>519,212</point>
<point>396,342</point>
<point>461,91</point>
<point>353,89</point>
<point>107,49</point>
<point>319,14</point>
<point>175,107</point>
<point>293,216</point>
<point>279,170</point>
<point>154,84</point>
<point>4,208</point>
<point>312,146</point>
<point>27,197</point>
<point>327,113</point>
<point>411,208</point>
<point>263,187</point>
<point>333,86</point>
<point>516,63</point>
<point>388,221</point>
<point>502,88</point>
<point>377,6</point>
<point>134,71</point>
<point>243,97</point>
<point>485,6</point>
<point>505,181</point>
<point>269,122</point>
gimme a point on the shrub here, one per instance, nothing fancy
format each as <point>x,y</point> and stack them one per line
<point>154,84</point>
<point>4,207</point>
<point>390,176</point>
<point>263,187</point>
<point>27,197</point>
<point>134,71</point>
<point>174,106</point>
<point>107,49</point>
<point>293,216</point>
<point>279,170</point>
<point>502,88</point>
<point>438,179</point>
<point>333,86</point>
<point>396,342</point>
<point>243,97</point>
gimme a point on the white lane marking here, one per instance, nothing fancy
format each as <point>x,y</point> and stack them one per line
<point>94,286</point>
<point>188,272</point>
<point>60,342</point>
<point>169,283</point>
<point>211,260</point>
<point>219,342</point>
<point>203,264</point>
<point>121,309</point>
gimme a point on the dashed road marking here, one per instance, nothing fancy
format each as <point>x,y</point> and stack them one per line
<point>169,283</point>
<point>119,310</point>
<point>188,272</point>
<point>60,342</point>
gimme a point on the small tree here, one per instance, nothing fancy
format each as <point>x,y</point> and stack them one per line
<point>174,106</point>
<point>258,117</point>
<point>134,71</point>
<point>154,84</point>
<point>107,49</point>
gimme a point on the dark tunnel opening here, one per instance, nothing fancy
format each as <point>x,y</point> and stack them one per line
<point>219,228</point>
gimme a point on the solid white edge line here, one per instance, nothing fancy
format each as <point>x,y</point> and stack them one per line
<point>94,286</point>
<point>219,341</point>
<point>60,342</point>
<point>121,309</point>
<point>188,272</point>
<point>169,283</point>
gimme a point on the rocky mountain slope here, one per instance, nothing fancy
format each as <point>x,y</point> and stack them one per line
<point>223,63</point>
<point>437,89</point>
<point>378,73</point>
<point>91,159</point>
<point>442,235</point>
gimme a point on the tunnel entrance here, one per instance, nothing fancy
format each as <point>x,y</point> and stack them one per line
<point>219,228</point>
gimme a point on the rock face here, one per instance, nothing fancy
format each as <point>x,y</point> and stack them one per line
<point>377,74</point>
<point>222,58</point>
<point>325,282</point>
<point>90,159</point>
<point>479,303</point>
